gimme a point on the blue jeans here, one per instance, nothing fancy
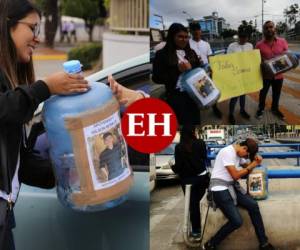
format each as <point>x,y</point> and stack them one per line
<point>224,201</point>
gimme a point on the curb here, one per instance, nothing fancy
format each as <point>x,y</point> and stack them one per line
<point>50,57</point>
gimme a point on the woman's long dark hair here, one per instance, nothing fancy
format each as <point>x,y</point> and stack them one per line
<point>11,12</point>
<point>187,136</point>
<point>170,46</point>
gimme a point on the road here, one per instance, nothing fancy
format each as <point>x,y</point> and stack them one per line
<point>167,207</point>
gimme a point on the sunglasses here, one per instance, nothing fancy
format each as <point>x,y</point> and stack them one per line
<point>35,28</point>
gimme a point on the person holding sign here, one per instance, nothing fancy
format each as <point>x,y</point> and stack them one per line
<point>270,47</point>
<point>169,63</point>
<point>203,51</point>
<point>228,194</point>
<point>241,45</point>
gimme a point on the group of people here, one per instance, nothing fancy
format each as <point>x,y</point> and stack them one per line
<point>232,163</point>
<point>68,31</point>
<point>20,95</point>
<point>180,53</point>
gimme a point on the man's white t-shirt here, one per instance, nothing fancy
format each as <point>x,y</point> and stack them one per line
<point>202,49</point>
<point>226,157</point>
<point>236,47</point>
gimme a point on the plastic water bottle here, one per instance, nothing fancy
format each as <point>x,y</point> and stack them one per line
<point>87,148</point>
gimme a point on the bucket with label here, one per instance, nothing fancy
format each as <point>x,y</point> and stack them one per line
<point>87,147</point>
<point>257,183</point>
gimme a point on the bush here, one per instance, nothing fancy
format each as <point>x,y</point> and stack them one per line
<point>86,54</point>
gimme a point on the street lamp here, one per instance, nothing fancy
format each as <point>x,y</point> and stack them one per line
<point>162,20</point>
<point>262,13</point>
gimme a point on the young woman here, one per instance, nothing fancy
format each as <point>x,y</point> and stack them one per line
<point>20,95</point>
<point>175,58</point>
<point>190,157</point>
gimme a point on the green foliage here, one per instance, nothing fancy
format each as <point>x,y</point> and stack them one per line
<point>86,54</point>
<point>106,4</point>
<point>228,33</point>
<point>291,13</point>
<point>87,9</point>
<point>281,27</point>
<point>247,27</point>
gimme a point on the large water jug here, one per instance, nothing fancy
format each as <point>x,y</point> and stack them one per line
<point>87,148</point>
<point>257,183</point>
<point>200,87</point>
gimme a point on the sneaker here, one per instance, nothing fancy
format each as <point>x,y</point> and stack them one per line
<point>267,246</point>
<point>244,114</point>
<point>217,112</point>
<point>195,236</point>
<point>259,114</point>
<point>208,246</point>
<point>277,113</point>
<point>231,119</point>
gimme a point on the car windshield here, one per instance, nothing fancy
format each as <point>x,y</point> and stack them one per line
<point>168,150</point>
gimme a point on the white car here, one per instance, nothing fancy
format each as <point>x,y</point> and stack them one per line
<point>163,162</point>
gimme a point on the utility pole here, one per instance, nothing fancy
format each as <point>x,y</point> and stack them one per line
<point>262,13</point>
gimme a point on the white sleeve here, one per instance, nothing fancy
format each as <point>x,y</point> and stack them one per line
<point>209,51</point>
<point>228,159</point>
<point>230,49</point>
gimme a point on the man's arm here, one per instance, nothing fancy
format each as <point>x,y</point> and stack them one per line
<point>237,174</point>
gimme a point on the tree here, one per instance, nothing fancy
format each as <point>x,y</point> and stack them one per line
<point>291,13</point>
<point>50,11</point>
<point>88,10</point>
<point>281,27</point>
<point>248,27</point>
<point>228,33</point>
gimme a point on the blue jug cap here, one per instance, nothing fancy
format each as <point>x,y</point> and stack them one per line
<point>72,67</point>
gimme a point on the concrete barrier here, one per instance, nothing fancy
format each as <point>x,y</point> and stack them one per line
<point>281,216</point>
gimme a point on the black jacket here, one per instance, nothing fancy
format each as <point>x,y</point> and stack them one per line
<point>191,163</point>
<point>16,108</point>
<point>165,71</point>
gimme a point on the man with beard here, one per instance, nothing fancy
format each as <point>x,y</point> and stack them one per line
<point>270,47</point>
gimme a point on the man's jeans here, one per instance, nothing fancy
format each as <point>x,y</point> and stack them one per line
<point>224,201</point>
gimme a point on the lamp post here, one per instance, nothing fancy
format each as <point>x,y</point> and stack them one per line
<point>161,20</point>
<point>262,13</point>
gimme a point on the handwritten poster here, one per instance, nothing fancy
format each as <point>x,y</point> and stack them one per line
<point>237,73</point>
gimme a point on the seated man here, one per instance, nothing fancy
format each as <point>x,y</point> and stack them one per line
<point>227,193</point>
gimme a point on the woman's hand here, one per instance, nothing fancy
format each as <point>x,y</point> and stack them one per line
<point>124,95</point>
<point>184,66</point>
<point>61,83</point>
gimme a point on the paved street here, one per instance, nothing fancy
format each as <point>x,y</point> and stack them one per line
<point>167,207</point>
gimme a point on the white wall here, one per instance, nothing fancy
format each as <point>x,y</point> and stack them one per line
<point>117,48</point>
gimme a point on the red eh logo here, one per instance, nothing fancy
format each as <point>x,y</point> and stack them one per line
<point>149,125</point>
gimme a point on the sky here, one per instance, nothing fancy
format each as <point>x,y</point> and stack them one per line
<point>232,10</point>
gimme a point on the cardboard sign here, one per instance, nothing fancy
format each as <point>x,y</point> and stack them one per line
<point>237,73</point>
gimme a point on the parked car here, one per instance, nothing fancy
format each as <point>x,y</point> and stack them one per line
<point>152,172</point>
<point>163,162</point>
<point>43,223</point>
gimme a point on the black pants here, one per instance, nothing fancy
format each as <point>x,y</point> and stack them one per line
<point>6,235</point>
<point>186,110</point>
<point>199,186</point>
<point>276,90</point>
<point>233,102</point>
